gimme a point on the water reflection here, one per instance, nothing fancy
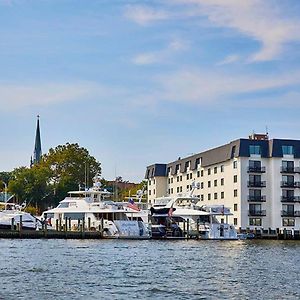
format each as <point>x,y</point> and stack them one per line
<point>72,269</point>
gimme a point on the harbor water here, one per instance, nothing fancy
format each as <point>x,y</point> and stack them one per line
<point>123,269</point>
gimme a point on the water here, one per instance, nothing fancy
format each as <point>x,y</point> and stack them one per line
<point>116,269</point>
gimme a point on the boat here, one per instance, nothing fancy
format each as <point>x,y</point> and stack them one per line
<point>91,210</point>
<point>11,216</point>
<point>182,216</point>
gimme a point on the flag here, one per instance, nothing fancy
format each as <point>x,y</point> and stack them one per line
<point>132,205</point>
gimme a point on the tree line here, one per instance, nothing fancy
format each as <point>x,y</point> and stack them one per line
<point>64,168</point>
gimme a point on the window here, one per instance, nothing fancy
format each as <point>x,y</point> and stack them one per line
<point>202,197</point>
<point>202,185</point>
<point>191,175</point>
<point>287,150</point>
<point>235,178</point>
<point>208,184</point>
<point>169,170</point>
<point>197,162</point>
<point>233,152</point>
<point>255,222</point>
<point>222,195</point>
<point>215,182</point>
<point>208,171</point>
<point>188,187</point>
<point>288,210</point>
<point>181,189</point>
<point>288,222</point>
<point>289,179</point>
<point>288,166</point>
<point>171,190</point>
<point>235,193</point>
<point>178,189</point>
<point>255,209</point>
<point>254,165</point>
<point>201,173</point>
<point>171,180</point>
<point>235,207</point>
<point>154,181</point>
<point>254,150</point>
<point>222,168</point>
<point>222,221</point>
<point>215,196</point>
<point>149,182</point>
<point>187,164</point>
<point>235,164</point>
<point>154,192</point>
<point>149,192</point>
<point>235,221</point>
<point>215,170</point>
<point>177,169</point>
<point>222,181</point>
<point>188,176</point>
<point>198,173</point>
<point>177,178</point>
<point>208,197</point>
<point>180,177</point>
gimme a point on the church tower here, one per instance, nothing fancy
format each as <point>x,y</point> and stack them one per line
<point>37,154</point>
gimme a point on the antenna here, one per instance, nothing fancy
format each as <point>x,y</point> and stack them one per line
<point>267,131</point>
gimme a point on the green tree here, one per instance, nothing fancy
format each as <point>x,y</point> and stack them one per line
<point>62,169</point>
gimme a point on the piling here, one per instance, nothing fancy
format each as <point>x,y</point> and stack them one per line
<point>20,226</point>
<point>89,224</point>
<point>12,227</point>
<point>56,225</point>
<point>70,224</point>
<point>188,228</point>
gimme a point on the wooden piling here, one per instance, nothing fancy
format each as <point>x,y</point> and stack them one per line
<point>12,226</point>
<point>56,225</point>
<point>188,228</point>
<point>70,228</point>
<point>89,224</point>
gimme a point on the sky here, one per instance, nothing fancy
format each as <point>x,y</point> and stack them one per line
<point>143,82</point>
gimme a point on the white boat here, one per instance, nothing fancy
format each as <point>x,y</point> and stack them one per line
<point>91,209</point>
<point>182,214</point>
<point>10,218</point>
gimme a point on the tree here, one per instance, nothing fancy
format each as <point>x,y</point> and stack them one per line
<point>62,169</point>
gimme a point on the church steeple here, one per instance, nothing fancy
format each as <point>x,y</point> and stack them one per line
<point>37,154</point>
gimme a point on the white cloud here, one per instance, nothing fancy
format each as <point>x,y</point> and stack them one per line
<point>208,87</point>
<point>175,46</point>
<point>254,18</point>
<point>18,96</point>
<point>144,15</point>
<point>229,59</point>
<point>258,19</point>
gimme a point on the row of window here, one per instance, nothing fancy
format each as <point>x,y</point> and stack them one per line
<point>258,222</point>
<point>256,150</point>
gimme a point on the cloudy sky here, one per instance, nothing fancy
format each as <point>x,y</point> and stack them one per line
<point>139,82</point>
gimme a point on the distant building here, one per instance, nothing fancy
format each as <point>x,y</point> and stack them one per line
<point>257,178</point>
<point>37,154</point>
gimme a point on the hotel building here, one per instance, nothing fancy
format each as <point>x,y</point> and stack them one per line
<point>257,178</point>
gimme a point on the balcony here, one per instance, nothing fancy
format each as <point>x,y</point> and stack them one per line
<point>290,198</point>
<point>289,169</point>
<point>256,198</point>
<point>254,169</point>
<point>256,184</point>
<point>289,184</point>
<point>257,213</point>
<point>295,213</point>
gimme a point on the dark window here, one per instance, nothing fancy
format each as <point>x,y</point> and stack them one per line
<point>235,164</point>
<point>287,150</point>
<point>208,171</point>
<point>235,178</point>
<point>208,184</point>
<point>215,182</point>
<point>197,162</point>
<point>201,173</point>
<point>232,152</point>
<point>235,221</point>
<point>198,173</point>
<point>222,181</point>
<point>254,149</point>
<point>215,196</point>
<point>255,222</point>
<point>235,193</point>
<point>222,195</point>
<point>235,207</point>
<point>222,168</point>
<point>208,197</point>
<point>202,185</point>
<point>288,222</point>
<point>215,170</point>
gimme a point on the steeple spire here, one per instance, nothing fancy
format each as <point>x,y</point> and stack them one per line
<point>37,154</point>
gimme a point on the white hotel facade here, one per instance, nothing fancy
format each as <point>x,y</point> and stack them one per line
<point>257,178</point>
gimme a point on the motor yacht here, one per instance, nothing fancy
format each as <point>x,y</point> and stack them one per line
<point>92,210</point>
<point>183,215</point>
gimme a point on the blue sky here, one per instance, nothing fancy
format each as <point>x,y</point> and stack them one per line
<point>139,82</point>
